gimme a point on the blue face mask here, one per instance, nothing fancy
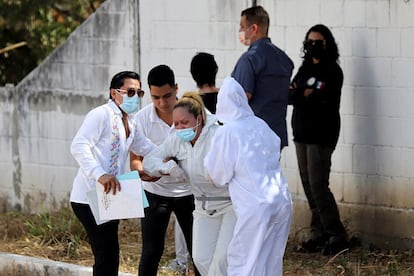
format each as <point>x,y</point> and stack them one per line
<point>130,104</point>
<point>186,134</point>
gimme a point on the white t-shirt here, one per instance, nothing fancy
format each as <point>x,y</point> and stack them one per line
<point>156,130</point>
<point>101,147</point>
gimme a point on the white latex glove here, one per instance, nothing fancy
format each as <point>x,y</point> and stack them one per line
<point>167,167</point>
<point>178,173</point>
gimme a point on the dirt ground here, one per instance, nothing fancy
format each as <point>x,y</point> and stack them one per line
<point>17,236</point>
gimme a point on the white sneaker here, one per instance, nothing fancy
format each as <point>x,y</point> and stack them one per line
<point>176,265</point>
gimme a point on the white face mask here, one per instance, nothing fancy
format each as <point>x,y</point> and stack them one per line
<point>187,134</point>
<point>243,39</point>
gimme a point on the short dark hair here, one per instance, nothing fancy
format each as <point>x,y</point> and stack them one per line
<point>204,69</point>
<point>257,15</point>
<point>161,75</point>
<point>332,52</point>
<point>118,79</point>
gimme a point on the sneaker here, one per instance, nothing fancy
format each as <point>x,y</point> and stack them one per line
<point>335,245</point>
<point>176,266</point>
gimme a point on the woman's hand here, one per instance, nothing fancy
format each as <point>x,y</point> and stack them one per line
<point>146,177</point>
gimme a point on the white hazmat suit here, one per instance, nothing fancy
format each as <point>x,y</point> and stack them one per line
<point>245,155</point>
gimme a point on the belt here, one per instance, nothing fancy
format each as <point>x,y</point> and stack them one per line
<point>204,199</point>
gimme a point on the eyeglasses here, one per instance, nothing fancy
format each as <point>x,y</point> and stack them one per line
<point>131,92</point>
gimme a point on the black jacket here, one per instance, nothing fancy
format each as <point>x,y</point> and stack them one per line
<point>316,118</point>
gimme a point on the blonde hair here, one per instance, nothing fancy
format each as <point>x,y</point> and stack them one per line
<point>194,104</point>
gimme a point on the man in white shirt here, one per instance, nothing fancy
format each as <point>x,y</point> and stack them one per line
<point>167,194</point>
<point>101,147</point>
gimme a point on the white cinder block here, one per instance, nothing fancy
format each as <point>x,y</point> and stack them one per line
<point>331,12</point>
<point>378,13</point>
<point>355,188</point>
<point>344,37</point>
<point>227,37</point>
<point>386,102</point>
<point>347,100</point>
<point>402,198</point>
<point>389,42</point>
<point>308,13</point>
<point>287,13</point>
<point>371,72</point>
<point>354,13</point>
<point>365,101</point>
<point>407,41</point>
<point>406,134</point>
<point>395,162</point>
<point>364,42</point>
<point>342,159</point>
<point>364,160</point>
<point>293,179</point>
<point>293,43</point>
<point>402,75</point>
<point>402,13</point>
<point>336,184</point>
<point>379,191</point>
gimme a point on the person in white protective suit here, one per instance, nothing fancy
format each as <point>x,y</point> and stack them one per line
<point>245,156</point>
<point>214,216</point>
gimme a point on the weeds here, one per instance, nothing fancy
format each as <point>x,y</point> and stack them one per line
<point>60,236</point>
<point>60,227</point>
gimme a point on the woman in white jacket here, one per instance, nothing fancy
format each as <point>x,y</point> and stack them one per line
<point>214,216</point>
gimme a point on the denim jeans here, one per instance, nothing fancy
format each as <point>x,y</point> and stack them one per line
<point>314,166</point>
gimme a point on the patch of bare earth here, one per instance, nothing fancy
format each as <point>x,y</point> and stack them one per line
<point>18,236</point>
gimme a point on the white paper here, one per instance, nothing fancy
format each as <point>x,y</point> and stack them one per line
<point>127,203</point>
<point>93,203</point>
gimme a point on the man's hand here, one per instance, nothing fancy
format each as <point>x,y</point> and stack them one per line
<point>110,183</point>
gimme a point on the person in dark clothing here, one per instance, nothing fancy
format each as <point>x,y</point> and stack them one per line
<point>264,71</point>
<point>204,69</point>
<point>315,94</point>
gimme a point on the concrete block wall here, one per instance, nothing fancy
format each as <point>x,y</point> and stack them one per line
<point>371,171</point>
<point>371,174</point>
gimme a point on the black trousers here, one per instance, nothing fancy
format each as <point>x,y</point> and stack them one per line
<point>103,240</point>
<point>154,226</point>
<point>314,166</point>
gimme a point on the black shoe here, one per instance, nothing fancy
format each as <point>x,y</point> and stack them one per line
<point>335,245</point>
<point>314,244</point>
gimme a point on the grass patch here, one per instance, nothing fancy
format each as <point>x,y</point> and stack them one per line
<point>57,228</point>
<point>59,236</point>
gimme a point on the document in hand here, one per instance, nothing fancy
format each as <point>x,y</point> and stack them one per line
<point>127,203</point>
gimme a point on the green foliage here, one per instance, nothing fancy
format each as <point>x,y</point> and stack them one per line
<point>43,25</point>
<point>61,227</point>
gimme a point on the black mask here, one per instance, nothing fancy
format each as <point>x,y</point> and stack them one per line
<point>314,48</point>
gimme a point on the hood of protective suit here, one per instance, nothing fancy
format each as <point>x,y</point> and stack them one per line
<point>232,103</point>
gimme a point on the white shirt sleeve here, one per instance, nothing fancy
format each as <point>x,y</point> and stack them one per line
<point>141,145</point>
<point>85,139</point>
<point>221,159</point>
<point>154,164</point>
